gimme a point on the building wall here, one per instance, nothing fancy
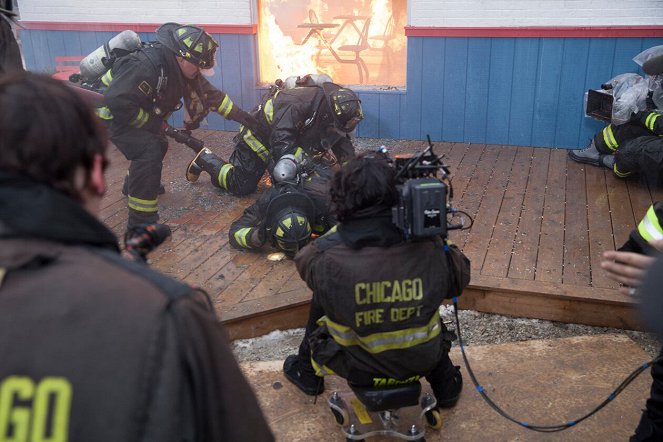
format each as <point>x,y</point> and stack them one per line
<point>501,13</point>
<point>230,12</point>
<point>489,71</point>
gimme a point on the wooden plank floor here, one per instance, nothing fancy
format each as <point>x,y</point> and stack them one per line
<point>541,223</point>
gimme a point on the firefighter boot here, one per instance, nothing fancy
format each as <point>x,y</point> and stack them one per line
<point>588,155</point>
<point>607,161</point>
<point>205,160</point>
<point>303,376</point>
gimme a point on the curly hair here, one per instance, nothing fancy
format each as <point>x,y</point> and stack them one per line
<point>48,131</point>
<point>364,182</point>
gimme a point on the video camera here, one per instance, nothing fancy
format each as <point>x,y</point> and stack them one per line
<point>425,194</point>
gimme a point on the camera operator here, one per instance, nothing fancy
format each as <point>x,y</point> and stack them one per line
<point>95,347</point>
<point>374,316</point>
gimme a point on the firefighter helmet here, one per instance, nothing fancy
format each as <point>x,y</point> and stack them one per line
<point>288,220</point>
<point>345,106</point>
<point>189,42</point>
<point>291,232</point>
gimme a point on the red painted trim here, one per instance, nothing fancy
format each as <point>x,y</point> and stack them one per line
<point>537,31</point>
<point>137,27</point>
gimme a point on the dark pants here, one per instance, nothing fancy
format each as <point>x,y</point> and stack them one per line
<point>437,377</point>
<point>245,167</point>
<point>146,152</point>
<point>621,134</point>
<point>650,427</point>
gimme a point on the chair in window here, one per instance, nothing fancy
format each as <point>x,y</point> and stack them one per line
<point>356,49</point>
<point>384,40</point>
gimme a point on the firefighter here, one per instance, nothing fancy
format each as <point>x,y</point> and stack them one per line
<point>628,266</point>
<point>301,121</point>
<point>95,347</point>
<point>10,55</point>
<point>633,147</point>
<point>141,91</point>
<point>289,212</point>
<point>374,316</point>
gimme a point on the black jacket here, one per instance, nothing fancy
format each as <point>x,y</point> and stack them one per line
<point>380,296</point>
<point>112,349</point>
<point>297,118</point>
<point>315,188</point>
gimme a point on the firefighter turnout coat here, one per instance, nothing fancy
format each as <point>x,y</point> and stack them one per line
<point>289,121</point>
<point>380,297</point>
<point>97,348</point>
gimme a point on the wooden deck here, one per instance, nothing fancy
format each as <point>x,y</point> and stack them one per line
<point>541,223</point>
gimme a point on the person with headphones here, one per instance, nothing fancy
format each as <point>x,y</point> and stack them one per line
<point>142,89</point>
<point>302,121</point>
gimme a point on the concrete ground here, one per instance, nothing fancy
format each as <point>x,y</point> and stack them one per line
<point>542,382</point>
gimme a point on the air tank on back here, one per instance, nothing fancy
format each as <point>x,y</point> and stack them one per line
<point>98,62</point>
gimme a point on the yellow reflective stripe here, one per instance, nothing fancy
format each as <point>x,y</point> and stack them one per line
<point>269,111</point>
<point>225,107</point>
<point>649,228</point>
<point>321,370</point>
<point>618,173</point>
<point>104,113</point>
<point>241,235</point>
<point>299,153</point>
<point>107,78</point>
<point>256,146</point>
<point>379,342</point>
<point>609,138</point>
<point>140,119</point>
<point>651,120</point>
<point>222,179</point>
<point>142,205</point>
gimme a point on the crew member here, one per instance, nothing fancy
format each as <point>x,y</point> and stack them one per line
<point>300,121</point>
<point>95,347</point>
<point>289,212</point>
<point>141,91</point>
<point>374,316</point>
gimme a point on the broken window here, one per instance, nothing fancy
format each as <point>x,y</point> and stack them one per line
<point>354,42</point>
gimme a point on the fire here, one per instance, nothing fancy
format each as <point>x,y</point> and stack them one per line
<point>306,36</point>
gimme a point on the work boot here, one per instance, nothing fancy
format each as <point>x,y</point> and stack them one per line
<point>303,376</point>
<point>588,155</point>
<point>607,161</point>
<point>205,160</point>
<point>125,188</point>
<point>447,392</point>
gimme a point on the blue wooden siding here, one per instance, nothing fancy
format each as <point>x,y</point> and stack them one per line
<point>517,91</point>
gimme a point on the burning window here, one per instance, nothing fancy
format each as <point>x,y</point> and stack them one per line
<point>354,42</point>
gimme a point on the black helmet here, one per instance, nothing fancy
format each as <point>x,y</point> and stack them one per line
<point>345,106</point>
<point>288,217</point>
<point>189,42</point>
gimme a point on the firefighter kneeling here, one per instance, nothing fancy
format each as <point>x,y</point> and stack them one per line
<point>374,316</point>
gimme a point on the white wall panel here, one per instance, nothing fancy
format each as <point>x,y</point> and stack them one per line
<point>228,12</point>
<point>513,13</point>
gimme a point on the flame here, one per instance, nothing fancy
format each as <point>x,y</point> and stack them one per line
<point>282,53</point>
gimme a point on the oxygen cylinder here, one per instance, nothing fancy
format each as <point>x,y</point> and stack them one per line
<point>98,62</point>
<point>306,80</point>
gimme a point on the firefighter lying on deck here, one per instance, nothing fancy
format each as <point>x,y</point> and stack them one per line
<point>141,91</point>
<point>296,206</point>
<point>301,121</point>
<point>94,347</point>
<point>374,316</point>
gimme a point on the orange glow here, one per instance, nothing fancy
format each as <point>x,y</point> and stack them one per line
<point>354,42</point>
